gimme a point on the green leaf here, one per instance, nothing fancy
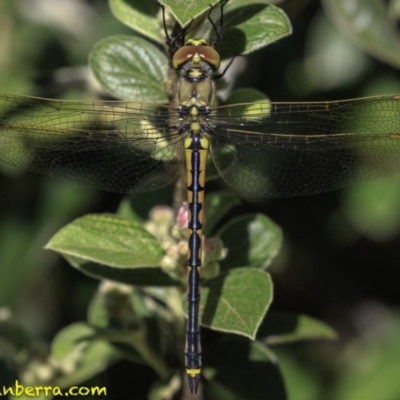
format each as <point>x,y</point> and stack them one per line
<point>241,3</point>
<point>127,320</point>
<point>130,68</point>
<point>372,368</point>
<point>252,27</point>
<point>236,301</point>
<point>107,246</point>
<point>367,24</point>
<point>330,62</point>
<point>252,240</point>
<point>287,328</point>
<point>108,239</point>
<point>216,205</point>
<point>184,12</point>
<point>129,306</point>
<point>301,383</point>
<point>77,350</point>
<point>238,369</point>
<point>242,97</point>
<point>246,95</point>
<point>373,208</point>
<point>394,9</point>
<point>138,276</point>
<point>138,15</point>
<point>137,337</point>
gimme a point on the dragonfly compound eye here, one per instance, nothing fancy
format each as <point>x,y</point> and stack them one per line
<point>209,55</point>
<point>183,55</point>
<point>196,53</point>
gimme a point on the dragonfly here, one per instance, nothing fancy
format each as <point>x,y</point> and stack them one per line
<point>260,149</point>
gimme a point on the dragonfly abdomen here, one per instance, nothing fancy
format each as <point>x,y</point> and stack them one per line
<point>196,150</point>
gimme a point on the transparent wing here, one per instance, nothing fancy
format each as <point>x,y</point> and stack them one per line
<point>287,149</point>
<point>116,146</point>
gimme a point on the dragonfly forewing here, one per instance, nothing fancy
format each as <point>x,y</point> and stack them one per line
<point>117,146</point>
<point>289,149</point>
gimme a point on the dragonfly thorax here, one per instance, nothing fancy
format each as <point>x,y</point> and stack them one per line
<point>194,92</point>
<point>196,62</point>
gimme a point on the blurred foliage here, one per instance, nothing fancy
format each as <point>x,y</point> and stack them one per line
<point>340,255</point>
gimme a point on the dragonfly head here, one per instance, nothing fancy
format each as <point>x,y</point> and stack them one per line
<point>196,51</point>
